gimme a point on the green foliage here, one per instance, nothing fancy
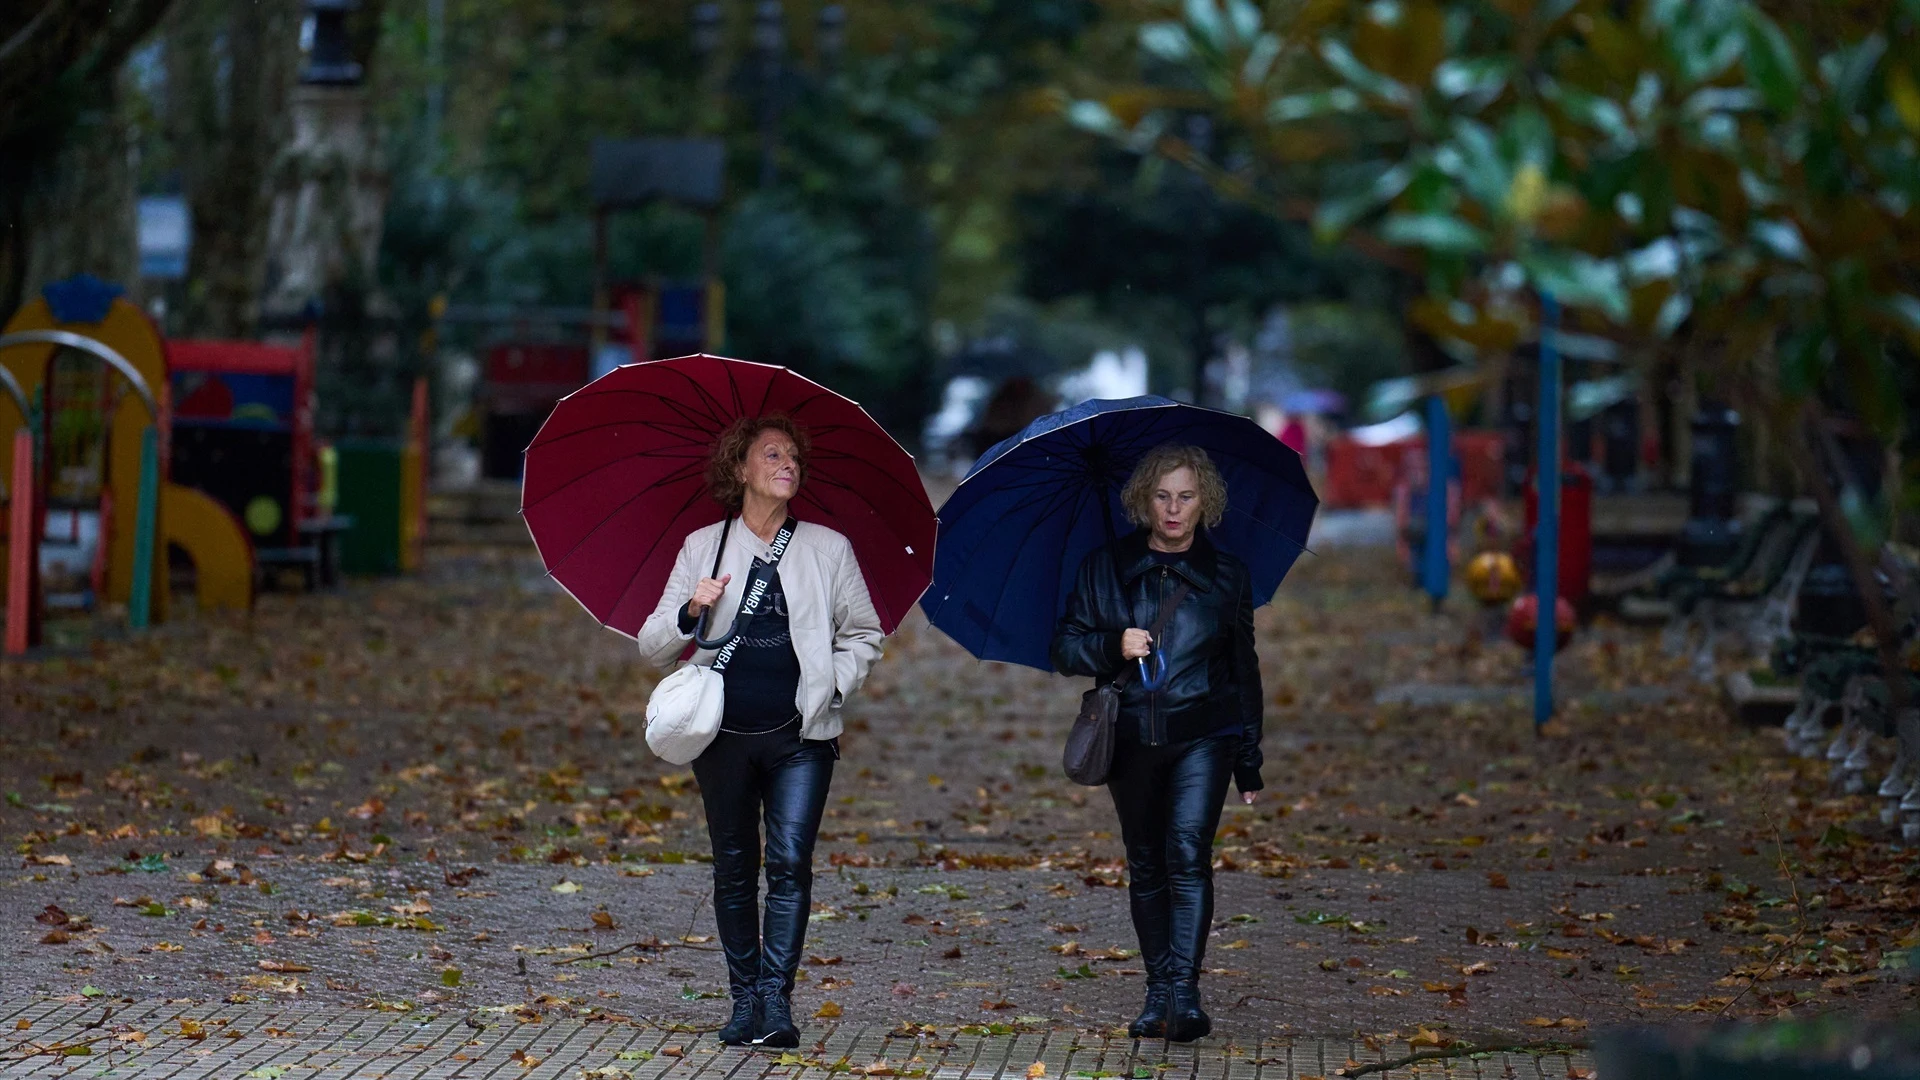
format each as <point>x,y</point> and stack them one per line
<point>1664,168</point>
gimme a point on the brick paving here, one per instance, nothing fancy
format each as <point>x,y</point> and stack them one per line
<point>295,1042</point>
<point>421,801</point>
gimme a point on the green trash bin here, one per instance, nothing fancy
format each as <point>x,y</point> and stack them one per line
<point>369,493</point>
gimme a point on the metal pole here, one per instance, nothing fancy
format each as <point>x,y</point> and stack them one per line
<point>1435,575</point>
<point>21,549</point>
<point>146,524</point>
<point>1546,537</point>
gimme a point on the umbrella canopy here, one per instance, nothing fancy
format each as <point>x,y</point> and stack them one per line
<point>1015,531</point>
<point>615,480</point>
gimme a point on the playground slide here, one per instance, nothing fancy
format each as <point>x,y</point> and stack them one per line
<point>207,531</point>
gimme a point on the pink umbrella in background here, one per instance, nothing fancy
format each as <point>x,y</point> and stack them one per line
<point>615,480</point>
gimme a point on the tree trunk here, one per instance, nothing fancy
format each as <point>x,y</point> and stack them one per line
<point>59,65</point>
<point>80,215</point>
<point>228,132</point>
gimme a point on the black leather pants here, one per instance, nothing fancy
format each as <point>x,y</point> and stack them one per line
<point>1168,798</point>
<point>783,778</point>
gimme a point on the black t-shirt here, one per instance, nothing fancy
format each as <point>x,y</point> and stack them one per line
<point>763,677</point>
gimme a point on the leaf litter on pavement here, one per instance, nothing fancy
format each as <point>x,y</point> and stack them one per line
<point>408,745</point>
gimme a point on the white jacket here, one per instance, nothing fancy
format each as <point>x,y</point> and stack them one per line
<point>836,634</point>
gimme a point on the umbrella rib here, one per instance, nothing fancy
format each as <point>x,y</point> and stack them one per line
<point>1061,495</point>
<point>1018,550</point>
<point>640,564</point>
<point>689,437</point>
<point>629,501</point>
<point>682,473</point>
<point>1026,502</point>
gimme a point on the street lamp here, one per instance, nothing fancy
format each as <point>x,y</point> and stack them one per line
<point>329,47</point>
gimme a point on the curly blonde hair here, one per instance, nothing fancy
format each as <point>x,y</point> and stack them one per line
<point>1137,496</point>
<point>730,452</point>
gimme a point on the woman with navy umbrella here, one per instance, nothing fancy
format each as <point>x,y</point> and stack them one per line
<point>1189,721</point>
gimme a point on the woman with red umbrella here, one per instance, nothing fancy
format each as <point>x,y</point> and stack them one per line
<point>744,518</point>
<point>806,646</point>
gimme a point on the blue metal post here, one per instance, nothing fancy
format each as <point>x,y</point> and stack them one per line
<point>1546,537</point>
<point>1435,575</point>
<point>146,525</point>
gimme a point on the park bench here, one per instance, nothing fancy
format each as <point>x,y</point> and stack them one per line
<point>1667,589</point>
<point>1757,603</point>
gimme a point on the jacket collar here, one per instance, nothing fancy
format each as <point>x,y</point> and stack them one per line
<point>1197,565</point>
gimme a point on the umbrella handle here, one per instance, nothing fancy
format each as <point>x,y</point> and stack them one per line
<point>1157,678</point>
<point>700,630</point>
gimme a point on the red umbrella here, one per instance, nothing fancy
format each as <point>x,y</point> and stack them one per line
<point>615,481</point>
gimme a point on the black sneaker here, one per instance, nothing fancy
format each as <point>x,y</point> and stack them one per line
<point>776,1029</point>
<point>1152,1021</point>
<point>1187,1021</point>
<point>744,1024</point>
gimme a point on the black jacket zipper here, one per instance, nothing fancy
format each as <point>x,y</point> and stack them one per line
<point>1155,736</point>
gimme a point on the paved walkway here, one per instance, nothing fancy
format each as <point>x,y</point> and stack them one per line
<point>432,795</point>
<point>155,1040</point>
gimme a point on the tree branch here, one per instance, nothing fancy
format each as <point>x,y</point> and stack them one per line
<point>43,49</point>
<point>130,27</point>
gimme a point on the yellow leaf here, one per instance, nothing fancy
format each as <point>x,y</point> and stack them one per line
<point>567,887</point>
<point>1905,97</point>
<point>1036,1070</point>
<point>829,1010</point>
<point>1528,195</point>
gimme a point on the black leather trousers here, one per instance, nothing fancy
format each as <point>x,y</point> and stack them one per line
<point>782,778</point>
<point>1168,798</point>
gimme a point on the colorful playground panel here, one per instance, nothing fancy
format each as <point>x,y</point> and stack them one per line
<point>242,431</point>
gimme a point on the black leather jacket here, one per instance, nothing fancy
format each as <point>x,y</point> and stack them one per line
<point>1213,675</point>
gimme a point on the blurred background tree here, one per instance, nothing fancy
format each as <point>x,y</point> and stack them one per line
<point>1726,194</point>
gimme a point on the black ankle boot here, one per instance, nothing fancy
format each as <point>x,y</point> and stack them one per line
<point>1152,1021</point>
<point>744,1024</point>
<point>776,1029</point>
<point>1186,1020</point>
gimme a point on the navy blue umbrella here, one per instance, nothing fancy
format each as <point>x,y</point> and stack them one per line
<point>1014,533</point>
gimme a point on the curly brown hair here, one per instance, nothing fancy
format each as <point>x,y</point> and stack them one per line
<point>730,452</point>
<point>1137,496</point>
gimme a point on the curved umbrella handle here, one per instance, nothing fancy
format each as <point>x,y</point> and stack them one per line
<point>1157,678</point>
<point>700,631</point>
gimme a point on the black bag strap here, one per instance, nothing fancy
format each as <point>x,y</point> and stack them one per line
<point>1159,623</point>
<point>754,591</point>
<point>706,617</point>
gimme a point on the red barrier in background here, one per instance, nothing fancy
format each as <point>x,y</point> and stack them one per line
<point>1576,532</point>
<point>1367,475</point>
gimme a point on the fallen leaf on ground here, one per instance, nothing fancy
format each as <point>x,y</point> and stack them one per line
<point>287,966</point>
